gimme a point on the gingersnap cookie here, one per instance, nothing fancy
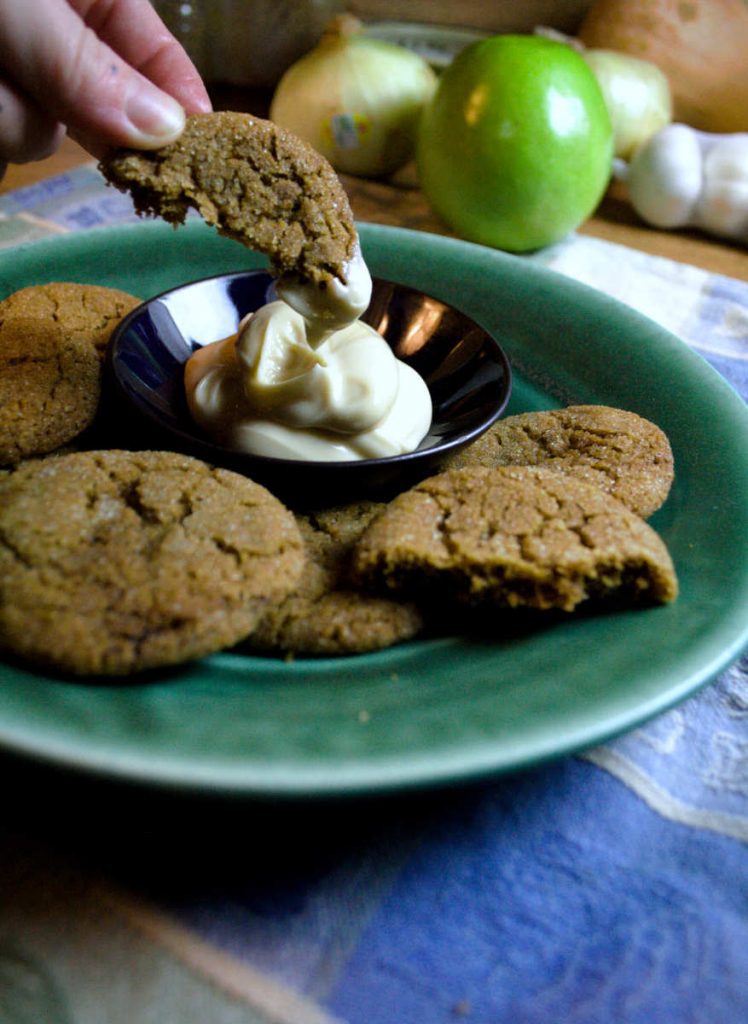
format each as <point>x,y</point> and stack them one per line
<point>326,615</point>
<point>50,384</point>
<point>112,562</point>
<point>618,451</point>
<point>86,311</point>
<point>514,536</point>
<point>252,180</point>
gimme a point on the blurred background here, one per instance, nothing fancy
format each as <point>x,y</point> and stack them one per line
<point>252,42</point>
<point>365,82</point>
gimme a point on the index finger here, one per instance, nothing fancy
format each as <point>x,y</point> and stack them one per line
<point>133,29</point>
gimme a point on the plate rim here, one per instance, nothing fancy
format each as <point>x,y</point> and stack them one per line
<point>373,777</point>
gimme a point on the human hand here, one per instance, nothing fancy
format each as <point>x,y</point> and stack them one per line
<point>107,71</point>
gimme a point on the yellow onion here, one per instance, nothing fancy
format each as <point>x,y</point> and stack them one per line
<point>356,99</point>
<point>637,94</point>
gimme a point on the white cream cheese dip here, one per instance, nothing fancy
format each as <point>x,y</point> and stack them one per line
<point>304,378</point>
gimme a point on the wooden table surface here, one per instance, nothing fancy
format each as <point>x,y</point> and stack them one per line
<point>401,203</point>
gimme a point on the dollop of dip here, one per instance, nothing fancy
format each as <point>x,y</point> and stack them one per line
<point>304,378</point>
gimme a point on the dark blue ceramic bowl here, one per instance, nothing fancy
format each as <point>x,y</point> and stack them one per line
<point>467,373</point>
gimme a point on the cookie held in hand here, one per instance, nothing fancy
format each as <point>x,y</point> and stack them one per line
<point>254,182</point>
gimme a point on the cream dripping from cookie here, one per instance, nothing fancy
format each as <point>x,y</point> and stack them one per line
<point>304,378</point>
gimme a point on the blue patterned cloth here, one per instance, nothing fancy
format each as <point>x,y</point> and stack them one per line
<point>610,888</point>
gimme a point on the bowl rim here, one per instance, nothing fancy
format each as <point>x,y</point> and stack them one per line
<point>223,452</point>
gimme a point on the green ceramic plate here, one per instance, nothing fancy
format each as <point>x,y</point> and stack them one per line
<point>430,711</point>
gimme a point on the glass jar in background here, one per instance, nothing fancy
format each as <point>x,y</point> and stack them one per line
<point>247,42</point>
<point>187,20</point>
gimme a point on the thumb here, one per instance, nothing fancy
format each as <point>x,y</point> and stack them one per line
<point>80,81</point>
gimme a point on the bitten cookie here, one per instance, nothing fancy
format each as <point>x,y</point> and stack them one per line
<point>618,451</point>
<point>83,311</point>
<point>112,562</point>
<point>515,537</point>
<point>253,181</point>
<point>326,615</point>
<point>50,384</point>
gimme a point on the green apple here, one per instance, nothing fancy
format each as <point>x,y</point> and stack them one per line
<point>515,148</point>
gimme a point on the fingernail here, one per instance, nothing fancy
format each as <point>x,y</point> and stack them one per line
<point>155,117</point>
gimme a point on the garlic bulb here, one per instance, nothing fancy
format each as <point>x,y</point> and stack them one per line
<point>683,177</point>
<point>356,99</point>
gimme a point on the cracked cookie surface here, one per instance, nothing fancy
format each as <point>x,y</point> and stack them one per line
<point>112,562</point>
<point>617,451</point>
<point>515,537</point>
<point>86,311</point>
<point>50,385</point>
<point>326,614</point>
<point>254,182</point>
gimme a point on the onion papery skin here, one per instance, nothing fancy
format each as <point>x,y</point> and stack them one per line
<point>358,101</point>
